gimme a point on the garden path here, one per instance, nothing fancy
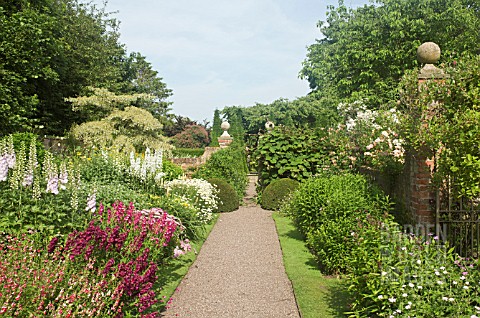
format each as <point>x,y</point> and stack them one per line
<point>239,271</point>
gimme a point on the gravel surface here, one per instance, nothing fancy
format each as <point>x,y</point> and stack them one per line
<point>239,271</point>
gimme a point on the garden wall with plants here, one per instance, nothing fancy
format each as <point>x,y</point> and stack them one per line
<point>350,225</point>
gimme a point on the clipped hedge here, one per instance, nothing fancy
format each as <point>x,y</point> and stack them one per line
<point>276,192</point>
<point>227,197</point>
<point>327,209</point>
<point>229,164</point>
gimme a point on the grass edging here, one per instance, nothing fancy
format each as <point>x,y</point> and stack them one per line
<point>316,295</point>
<point>171,275</point>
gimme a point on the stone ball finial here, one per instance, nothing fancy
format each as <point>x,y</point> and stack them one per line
<point>428,53</point>
<point>225,125</point>
<point>269,125</point>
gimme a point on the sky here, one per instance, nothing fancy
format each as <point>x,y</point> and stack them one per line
<point>215,53</point>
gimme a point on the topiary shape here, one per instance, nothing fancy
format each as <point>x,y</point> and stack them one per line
<point>276,192</point>
<point>227,196</point>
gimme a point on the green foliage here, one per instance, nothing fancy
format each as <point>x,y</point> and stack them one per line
<point>365,51</point>
<point>229,164</point>
<point>50,215</point>
<point>193,136</point>
<point>132,129</point>
<point>299,154</point>
<point>216,130</point>
<point>52,50</point>
<point>277,192</point>
<point>171,170</point>
<point>228,200</point>
<point>108,193</point>
<point>308,111</point>
<point>138,77</point>
<point>442,118</point>
<point>327,208</point>
<point>314,292</point>
<point>101,102</point>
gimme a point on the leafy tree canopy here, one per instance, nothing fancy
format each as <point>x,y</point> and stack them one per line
<point>365,51</point>
<point>307,111</point>
<point>139,78</point>
<point>54,49</point>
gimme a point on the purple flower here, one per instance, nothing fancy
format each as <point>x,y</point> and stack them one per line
<point>52,184</point>
<point>3,168</point>
<point>177,252</point>
<point>108,266</point>
<point>92,202</point>
<point>52,245</point>
<point>28,179</point>
<point>11,159</point>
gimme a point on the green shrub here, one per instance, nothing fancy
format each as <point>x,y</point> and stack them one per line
<point>299,154</point>
<point>171,170</point>
<point>227,197</point>
<point>229,164</point>
<point>327,210</point>
<point>329,197</point>
<point>109,193</point>
<point>276,192</point>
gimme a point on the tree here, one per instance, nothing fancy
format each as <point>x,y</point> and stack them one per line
<point>102,102</point>
<point>307,111</point>
<point>216,130</point>
<point>54,49</point>
<point>139,78</point>
<point>176,125</point>
<point>193,136</point>
<point>131,129</point>
<point>113,122</point>
<point>365,51</point>
<point>25,46</point>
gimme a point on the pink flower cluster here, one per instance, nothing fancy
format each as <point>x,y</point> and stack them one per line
<point>106,270</point>
<point>141,235</point>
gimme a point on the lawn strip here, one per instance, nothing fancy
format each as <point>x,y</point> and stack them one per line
<point>317,296</point>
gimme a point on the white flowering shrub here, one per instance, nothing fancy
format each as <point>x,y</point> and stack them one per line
<point>147,167</point>
<point>375,134</point>
<point>200,193</point>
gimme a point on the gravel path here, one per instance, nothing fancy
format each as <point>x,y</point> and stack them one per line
<point>239,271</point>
